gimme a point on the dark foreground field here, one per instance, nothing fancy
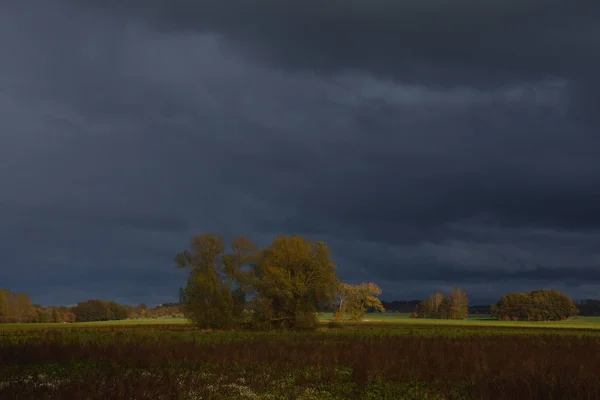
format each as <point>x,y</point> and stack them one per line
<point>362,361</point>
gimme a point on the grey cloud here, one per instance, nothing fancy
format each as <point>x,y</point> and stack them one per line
<point>537,276</point>
<point>463,43</point>
<point>514,39</point>
<point>127,126</point>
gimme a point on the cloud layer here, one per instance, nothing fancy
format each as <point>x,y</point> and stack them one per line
<point>429,146</point>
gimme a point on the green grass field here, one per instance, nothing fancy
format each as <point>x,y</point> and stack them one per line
<point>403,319</point>
<point>476,320</point>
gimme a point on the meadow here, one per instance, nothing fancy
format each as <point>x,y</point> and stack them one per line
<point>389,356</point>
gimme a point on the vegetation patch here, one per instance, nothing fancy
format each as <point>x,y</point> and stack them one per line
<point>350,360</point>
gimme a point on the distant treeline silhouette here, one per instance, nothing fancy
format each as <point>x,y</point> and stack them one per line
<point>18,308</point>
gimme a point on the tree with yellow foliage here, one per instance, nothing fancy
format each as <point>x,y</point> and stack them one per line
<point>293,278</point>
<point>354,300</point>
<point>214,297</point>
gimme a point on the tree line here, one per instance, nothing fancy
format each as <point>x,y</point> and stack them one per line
<point>18,308</point>
<point>282,286</point>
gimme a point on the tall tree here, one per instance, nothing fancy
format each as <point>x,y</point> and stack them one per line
<point>212,295</point>
<point>293,278</point>
<point>459,307</point>
<point>434,303</point>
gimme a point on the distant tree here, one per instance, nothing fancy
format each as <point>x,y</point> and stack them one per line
<point>513,307</point>
<point>67,314</point>
<point>538,305</point>
<point>355,300</point>
<point>445,310</point>
<point>165,310</point>
<point>23,310</point>
<point>438,306</point>
<point>56,315</point>
<point>16,307</point>
<point>115,311</point>
<point>343,293</point>
<point>552,305</point>
<point>142,310</point>
<point>459,304</point>
<point>433,305</point>
<point>130,311</point>
<point>4,305</point>
<point>40,315</point>
<point>95,310</point>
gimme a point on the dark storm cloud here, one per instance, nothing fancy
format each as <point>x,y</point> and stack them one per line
<point>427,148</point>
<point>504,174</point>
<point>132,219</point>
<point>445,44</point>
<point>464,43</point>
<point>539,275</point>
<point>431,41</point>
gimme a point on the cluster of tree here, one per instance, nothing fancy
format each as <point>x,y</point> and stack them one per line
<point>438,306</point>
<point>408,306</point>
<point>163,310</point>
<point>99,310</point>
<point>282,286</point>
<point>18,308</point>
<point>53,314</point>
<point>539,305</point>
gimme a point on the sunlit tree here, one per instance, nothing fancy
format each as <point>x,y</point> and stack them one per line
<point>354,300</point>
<point>293,278</point>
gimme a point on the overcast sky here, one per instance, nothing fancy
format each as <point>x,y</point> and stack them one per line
<point>429,143</point>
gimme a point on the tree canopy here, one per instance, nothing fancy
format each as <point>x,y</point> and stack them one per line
<point>99,310</point>
<point>15,307</point>
<point>438,306</point>
<point>539,305</point>
<point>354,300</point>
<point>215,292</point>
<point>293,278</point>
